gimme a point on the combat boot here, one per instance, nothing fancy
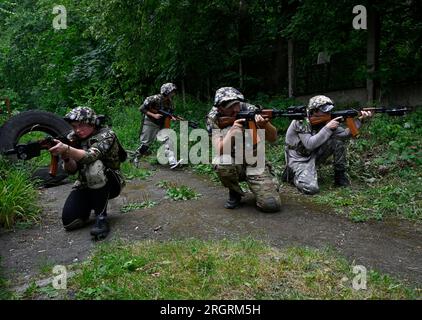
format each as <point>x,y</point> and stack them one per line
<point>143,150</point>
<point>234,200</point>
<point>341,179</point>
<point>101,228</point>
<point>288,175</point>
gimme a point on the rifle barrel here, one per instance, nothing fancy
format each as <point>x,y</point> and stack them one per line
<point>400,111</point>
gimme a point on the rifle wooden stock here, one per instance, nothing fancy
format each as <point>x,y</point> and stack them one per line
<point>224,122</point>
<point>351,124</point>
<point>348,116</point>
<point>54,165</point>
<point>255,138</point>
<point>167,121</point>
<point>320,119</point>
<point>46,144</point>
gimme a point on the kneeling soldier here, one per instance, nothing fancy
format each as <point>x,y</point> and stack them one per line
<point>228,103</point>
<point>307,146</point>
<point>95,153</point>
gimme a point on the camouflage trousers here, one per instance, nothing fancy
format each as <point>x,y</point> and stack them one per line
<point>305,173</point>
<point>262,185</point>
<point>150,132</point>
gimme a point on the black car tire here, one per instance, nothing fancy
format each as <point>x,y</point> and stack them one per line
<point>34,120</point>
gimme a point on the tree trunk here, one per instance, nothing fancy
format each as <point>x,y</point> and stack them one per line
<point>373,54</point>
<point>208,88</point>
<point>183,93</point>
<point>291,68</point>
<point>241,40</point>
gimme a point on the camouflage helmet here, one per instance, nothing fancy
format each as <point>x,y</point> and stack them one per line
<point>226,94</point>
<point>167,88</point>
<point>322,103</point>
<point>82,114</point>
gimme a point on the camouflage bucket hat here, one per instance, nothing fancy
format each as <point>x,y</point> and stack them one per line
<point>227,94</point>
<point>81,114</point>
<point>322,103</point>
<point>167,88</point>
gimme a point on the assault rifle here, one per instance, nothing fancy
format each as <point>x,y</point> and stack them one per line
<point>169,116</point>
<point>349,115</point>
<point>33,149</point>
<point>292,113</point>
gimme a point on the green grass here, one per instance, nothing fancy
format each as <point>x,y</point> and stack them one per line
<point>396,197</point>
<point>206,170</point>
<point>137,206</point>
<point>18,195</point>
<point>132,172</point>
<point>178,192</point>
<point>385,167</point>
<point>247,269</point>
<point>126,122</point>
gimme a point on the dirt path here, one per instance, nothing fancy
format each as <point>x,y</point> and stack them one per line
<point>391,247</point>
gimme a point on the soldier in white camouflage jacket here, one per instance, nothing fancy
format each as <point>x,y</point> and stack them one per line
<point>307,146</point>
<point>153,122</point>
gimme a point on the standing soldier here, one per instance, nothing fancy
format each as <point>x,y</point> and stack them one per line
<point>153,122</point>
<point>228,103</point>
<point>95,153</point>
<point>307,146</point>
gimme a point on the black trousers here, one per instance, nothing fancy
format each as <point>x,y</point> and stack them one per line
<point>81,202</point>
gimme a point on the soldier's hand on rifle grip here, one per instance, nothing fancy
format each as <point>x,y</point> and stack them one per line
<point>154,115</point>
<point>59,148</point>
<point>333,124</point>
<point>365,114</point>
<point>261,122</point>
<point>238,124</point>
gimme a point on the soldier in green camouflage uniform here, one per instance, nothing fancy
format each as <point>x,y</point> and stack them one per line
<point>95,153</point>
<point>308,146</point>
<point>153,122</point>
<point>229,101</point>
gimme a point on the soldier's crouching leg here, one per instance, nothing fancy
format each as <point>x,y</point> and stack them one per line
<point>265,191</point>
<point>76,210</point>
<point>230,175</point>
<point>337,148</point>
<point>306,179</point>
<point>148,135</point>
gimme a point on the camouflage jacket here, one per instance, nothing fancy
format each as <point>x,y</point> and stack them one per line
<point>102,145</point>
<point>156,102</point>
